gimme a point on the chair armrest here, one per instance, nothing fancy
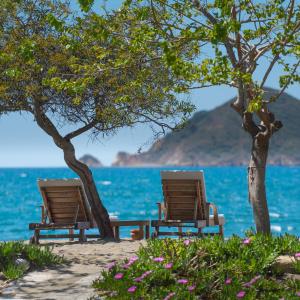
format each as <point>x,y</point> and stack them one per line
<point>159,210</point>
<point>44,214</point>
<point>215,213</point>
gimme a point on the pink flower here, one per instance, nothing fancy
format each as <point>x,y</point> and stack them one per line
<point>126,266</point>
<point>252,281</point>
<point>138,279</point>
<point>146,274</point>
<point>130,262</point>
<point>297,254</point>
<point>133,258</point>
<point>246,241</point>
<point>182,281</point>
<point>187,242</point>
<point>298,294</point>
<point>119,276</point>
<point>168,266</point>
<point>241,294</point>
<point>132,289</point>
<point>169,296</point>
<point>111,265</point>
<point>228,281</point>
<point>158,259</point>
<point>191,288</point>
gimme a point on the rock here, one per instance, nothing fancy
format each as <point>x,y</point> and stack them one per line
<point>2,277</point>
<point>216,137</point>
<point>292,276</point>
<point>284,264</point>
<point>21,262</point>
<point>91,161</point>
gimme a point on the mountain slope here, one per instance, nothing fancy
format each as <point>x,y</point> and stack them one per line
<point>216,138</point>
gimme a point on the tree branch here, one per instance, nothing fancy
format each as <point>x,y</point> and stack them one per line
<point>81,130</point>
<point>287,83</point>
<point>276,57</point>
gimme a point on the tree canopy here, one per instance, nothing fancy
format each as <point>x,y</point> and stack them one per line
<point>85,70</point>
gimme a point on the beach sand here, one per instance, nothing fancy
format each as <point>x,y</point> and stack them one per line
<point>73,279</point>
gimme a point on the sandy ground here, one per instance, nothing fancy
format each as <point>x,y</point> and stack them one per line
<point>73,279</point>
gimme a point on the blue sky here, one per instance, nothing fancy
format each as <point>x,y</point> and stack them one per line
<point>24,144</point>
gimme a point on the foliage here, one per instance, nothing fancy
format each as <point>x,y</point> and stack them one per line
<point>86,71</point>
<point>228,40</point>
<point>36,256</point>
<point>208,268</point>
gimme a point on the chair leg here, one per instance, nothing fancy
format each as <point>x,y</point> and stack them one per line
<point>221,231</point>
<point>180,232</point>
<point>155,234</point>
<point>200,232</point>
<point>147,229</point>
<point>71,231</point>
<point>82,237</point>
<point>117,233</point>
<point>36,237</point>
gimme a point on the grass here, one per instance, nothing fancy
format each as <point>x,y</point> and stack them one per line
<point>36,257</point>
<point>207,268</point>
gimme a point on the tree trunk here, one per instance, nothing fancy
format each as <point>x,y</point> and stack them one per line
<point>99,212</point>
<point>256,183</point>
<point>261,135</point>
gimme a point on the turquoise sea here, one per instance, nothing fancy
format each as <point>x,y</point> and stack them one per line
<point>132,193</point>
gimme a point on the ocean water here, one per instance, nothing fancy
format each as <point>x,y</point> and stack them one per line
<point>132,193</point>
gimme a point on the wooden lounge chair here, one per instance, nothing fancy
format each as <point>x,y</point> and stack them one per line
<point>185,205</point>
<point>65,207</point>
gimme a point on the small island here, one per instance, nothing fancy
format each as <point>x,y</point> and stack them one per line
<point>91,161</point>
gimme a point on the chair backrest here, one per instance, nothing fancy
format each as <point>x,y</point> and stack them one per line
<point>184,195</point>
<point>65,200</point>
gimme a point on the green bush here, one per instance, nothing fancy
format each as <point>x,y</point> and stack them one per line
<point>36,257</point>
<point>208,268</point>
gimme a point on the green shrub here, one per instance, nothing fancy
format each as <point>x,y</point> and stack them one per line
<point>36,256</point>
<point>208,268</point>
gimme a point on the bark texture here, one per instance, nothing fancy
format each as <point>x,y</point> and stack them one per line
<point>261,134</point>
<point>256,183</point>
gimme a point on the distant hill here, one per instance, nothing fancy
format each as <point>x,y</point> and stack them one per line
<point>216,137</point>
<point>91,161</point>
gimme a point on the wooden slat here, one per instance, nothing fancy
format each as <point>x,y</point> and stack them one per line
<point>63,200</point>
<point>172,193</point>
<point>59,209</point>
<point>181,200</point>
<point>179,181</point>
<point>63,215</point>
<point>181,189</point>
<point>78,225</point>
<point>185,205</point>
<point>181,214</point>
<point>70,194</point>
<point>60,189</point>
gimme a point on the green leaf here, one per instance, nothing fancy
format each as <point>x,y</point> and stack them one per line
<point>86,5</point>
<point>57,24</point>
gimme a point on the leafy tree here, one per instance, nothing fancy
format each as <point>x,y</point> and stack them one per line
<point>237,43</point>
<point>83,73</point>
<point>230,43</point>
